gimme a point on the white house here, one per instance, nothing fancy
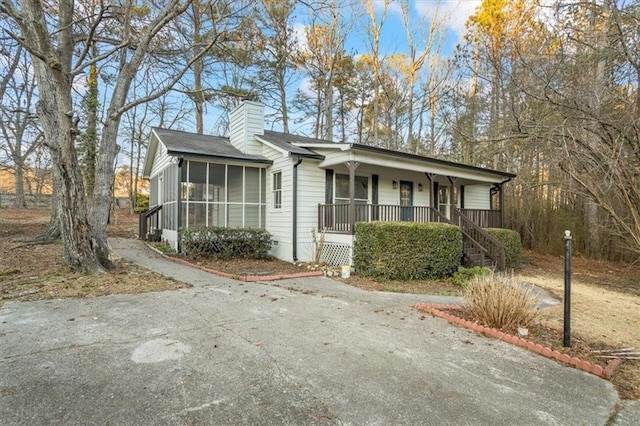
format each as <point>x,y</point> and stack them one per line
<point>296,187</point>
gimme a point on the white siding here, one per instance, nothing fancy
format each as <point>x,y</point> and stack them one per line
<point>388,195</point>
<point>160,161</point>
<point>311,192</point>
<point>477,197</point>
<point>278,221</point>
<point>246,121</point>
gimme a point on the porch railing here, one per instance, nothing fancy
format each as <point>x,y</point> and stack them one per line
<point>478,242</point>
<point>484,218</point>
<point>335,217</point>
<point>147,221</point>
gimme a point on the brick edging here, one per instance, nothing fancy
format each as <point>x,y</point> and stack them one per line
<point>436,310</point>
<point>245,278</point>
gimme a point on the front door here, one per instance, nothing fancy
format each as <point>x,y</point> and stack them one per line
<point>406,201</point>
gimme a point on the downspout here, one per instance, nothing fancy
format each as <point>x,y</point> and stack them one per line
<point>295,209</point>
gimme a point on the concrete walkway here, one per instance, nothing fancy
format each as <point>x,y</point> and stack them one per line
<point>303,351</point>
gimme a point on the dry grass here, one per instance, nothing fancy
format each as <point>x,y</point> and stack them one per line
<point>499,301</point>
<point>31,272</point>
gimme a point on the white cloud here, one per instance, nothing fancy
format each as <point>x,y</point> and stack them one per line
<point>300,34</point>
<point>306,87</point>
<point>392,8</point>
<point>454,12</point>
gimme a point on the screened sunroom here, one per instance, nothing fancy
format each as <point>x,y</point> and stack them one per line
<point>215,194</point>
<point>187,190</point>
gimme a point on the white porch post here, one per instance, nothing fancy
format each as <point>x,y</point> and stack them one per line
<point>433,197</point>
<point>352,166</point>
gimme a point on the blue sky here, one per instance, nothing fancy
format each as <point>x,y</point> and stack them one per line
<point>450,16</point>
<point>452,13</point>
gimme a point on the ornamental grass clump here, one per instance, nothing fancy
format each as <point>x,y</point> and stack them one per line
<point>500,301</point>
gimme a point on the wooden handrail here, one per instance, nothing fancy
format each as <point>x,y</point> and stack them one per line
<point>143,220</point>
<point>478,236</point>
<point>467,238</point>
<point>439,216</point>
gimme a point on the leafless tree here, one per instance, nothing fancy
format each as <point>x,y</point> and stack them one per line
<point>20,134</point>
<point>59,41</point>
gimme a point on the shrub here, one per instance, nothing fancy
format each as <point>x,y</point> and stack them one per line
<point>406,250</point>
<point>142,203</point>
<point>500,301</point>
<point>226,243</point>
<point>510,239</point>
<point>464,275</point>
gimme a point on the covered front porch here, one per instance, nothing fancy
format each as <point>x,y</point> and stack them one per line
<point>398,191</point>
<point>366,185</point>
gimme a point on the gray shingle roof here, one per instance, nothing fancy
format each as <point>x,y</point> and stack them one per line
<point>285,142</point>
<point>309,142</point>
<point>178,142</point>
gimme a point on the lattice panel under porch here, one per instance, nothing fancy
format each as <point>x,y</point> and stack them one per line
<point>336,254</point>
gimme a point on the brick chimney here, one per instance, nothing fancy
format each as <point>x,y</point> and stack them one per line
<point>245,122</point>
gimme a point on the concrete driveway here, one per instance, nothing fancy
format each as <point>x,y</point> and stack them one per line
<point>306,351</point>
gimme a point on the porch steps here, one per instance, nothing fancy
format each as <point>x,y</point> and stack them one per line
<point>479,247</point>
<point>473,256</point>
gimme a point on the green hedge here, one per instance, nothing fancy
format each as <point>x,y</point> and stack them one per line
<point>142,203</point>
<point>511,240</point>
<point>226,243</point>
<point>406,250</point>
<point>464,275</point>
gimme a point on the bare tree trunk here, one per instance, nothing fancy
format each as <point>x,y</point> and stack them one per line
<point>328,111</point>
<point>317,128</point>
<point>283,103</point>
<point>198,95</point>
<point>432,123</point>
<point>18,176</point>
<point>374,34</point>
<point>55,109</point>
<point>53,229</point>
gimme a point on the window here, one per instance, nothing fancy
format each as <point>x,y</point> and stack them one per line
<point>361,189</point>
<point>276,190</point>
<point>361,195</point>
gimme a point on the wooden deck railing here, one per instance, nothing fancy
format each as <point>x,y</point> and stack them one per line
<point>484,218</point>
<point>147,220</point>
<point>483,243</point>
<point>335,217</point>
<point>478,245</point>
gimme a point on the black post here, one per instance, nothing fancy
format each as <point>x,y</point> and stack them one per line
<point>566,340</point>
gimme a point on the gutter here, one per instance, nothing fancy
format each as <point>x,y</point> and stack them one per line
<point>499,185</point>
<point>295,209</point>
